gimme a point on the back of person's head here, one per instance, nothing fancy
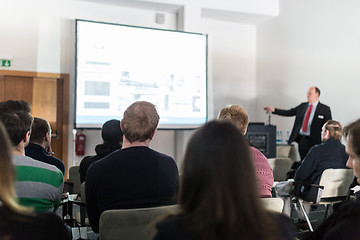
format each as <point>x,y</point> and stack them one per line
<point>219,197</point>
<point>14,105</point>
<point>352,133</point>
<point>39,129</point>
<point>111,132</point>
<point>113,137</point>
<point>7,174</point>
<point>334,128</point>
<point>140,121</point>
<point>17,124</point>
<point>237,115</point>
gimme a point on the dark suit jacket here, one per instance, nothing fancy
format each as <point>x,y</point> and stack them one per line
<point>329,154</point>
<point>37,152</point>
<point>322,114</point>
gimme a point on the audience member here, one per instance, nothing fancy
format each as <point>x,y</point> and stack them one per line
<point>218,197</point>
<point>18,222</point>
<point>329,154</point>
<point>40,144</point>
<point>14,105</point>
<point>264,174</point>
<point>38,185</point>
<point>112,136</point>
<point>345,223</point>
<point>135,176</point>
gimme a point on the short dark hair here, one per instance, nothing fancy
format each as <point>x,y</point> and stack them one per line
<point>14,105</point>
<point>111,132</point>
<point>17,124</point>
<point>317,90</point>
<point>39,129</point>
<point>352,131</point>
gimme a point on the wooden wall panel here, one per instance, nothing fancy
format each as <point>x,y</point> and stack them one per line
<point>45,99</point>
<point>18,88</point>
<point>45,105</point>
<point>2,88</point>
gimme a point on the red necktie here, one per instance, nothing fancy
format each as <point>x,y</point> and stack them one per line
<point>306,119</point>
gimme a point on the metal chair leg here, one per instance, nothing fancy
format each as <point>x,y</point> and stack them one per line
<point>306,216</point>
<point>326,211</point>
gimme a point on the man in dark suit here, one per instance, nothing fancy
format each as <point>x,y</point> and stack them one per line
<point>310,117</point>
<point>39,147</point>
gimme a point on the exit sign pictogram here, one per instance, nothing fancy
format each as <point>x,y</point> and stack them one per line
<point>5,63</point>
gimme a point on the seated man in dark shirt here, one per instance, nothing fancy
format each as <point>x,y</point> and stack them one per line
<point>134,176</point>
<point>329,154</point>
<point>40,144</point>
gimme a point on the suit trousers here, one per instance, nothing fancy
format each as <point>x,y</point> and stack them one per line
<point>304,145</point>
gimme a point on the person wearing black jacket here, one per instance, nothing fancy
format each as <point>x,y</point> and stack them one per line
<point>329,154</point>
<point>113,137</point>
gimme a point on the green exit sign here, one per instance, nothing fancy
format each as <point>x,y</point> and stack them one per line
<point>5,63</point>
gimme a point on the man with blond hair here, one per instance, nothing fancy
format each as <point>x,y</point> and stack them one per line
<point>134,176</point>
<point>265,178</point>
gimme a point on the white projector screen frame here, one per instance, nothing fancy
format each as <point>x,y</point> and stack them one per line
<point>117,65</point>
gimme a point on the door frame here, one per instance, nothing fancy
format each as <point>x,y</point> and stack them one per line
<point>64,105</point>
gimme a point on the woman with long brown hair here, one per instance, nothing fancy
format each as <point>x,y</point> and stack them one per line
<point>18,222</point>
<point>218,196</point>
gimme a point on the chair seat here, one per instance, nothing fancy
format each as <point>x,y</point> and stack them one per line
<point>132,224</point>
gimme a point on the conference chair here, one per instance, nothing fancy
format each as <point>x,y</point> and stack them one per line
<point>132,224</point>
<point>272,204</point>
<point>280,167</point>
<point>333,188</point>
<point>81,216</point>
<point>74,180</point>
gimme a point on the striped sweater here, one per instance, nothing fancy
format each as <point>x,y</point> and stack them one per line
<point>38,185</point>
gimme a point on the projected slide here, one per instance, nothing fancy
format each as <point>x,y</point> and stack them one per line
<point>118,65</point>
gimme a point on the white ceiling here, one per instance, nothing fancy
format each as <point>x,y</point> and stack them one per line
<point>160,7</point>
<point>211,13</point>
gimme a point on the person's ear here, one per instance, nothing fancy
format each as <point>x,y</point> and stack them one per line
<point>327,134</point>
<point>152,135</point>
<point>47,137</point>
<point>27,137</point>
<point>121,125</point>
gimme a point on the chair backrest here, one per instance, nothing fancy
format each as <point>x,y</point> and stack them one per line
<point>283,150</point>
<point>280,167</point>
<point>336,182</point>
<point>132,224</point>
<point>273,204</point>
<point>74,178</point>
